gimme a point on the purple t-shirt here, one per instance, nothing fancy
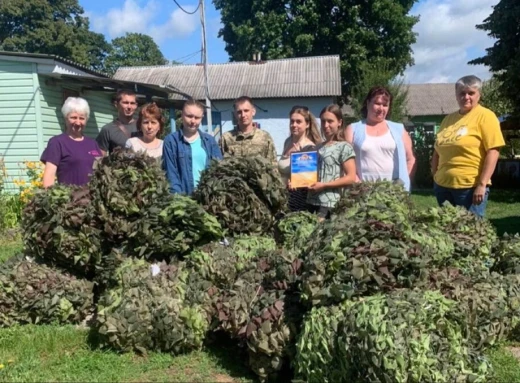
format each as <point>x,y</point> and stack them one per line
<point>74,159</point>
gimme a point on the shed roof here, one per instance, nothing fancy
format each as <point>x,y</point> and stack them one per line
<point>44,56</point>
<point>107,84</point>
<point>431,99</point>
<point>294,77</point>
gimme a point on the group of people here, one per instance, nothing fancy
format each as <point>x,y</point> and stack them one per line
<point>372,149</point>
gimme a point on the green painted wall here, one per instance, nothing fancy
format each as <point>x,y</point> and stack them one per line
<point>18,135</point>
<point>102,111</point>
<point>51,98</point>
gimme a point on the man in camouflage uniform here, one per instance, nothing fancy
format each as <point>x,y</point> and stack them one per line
<point>246,140</point>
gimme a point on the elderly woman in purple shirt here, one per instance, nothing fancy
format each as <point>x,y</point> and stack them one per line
<point>70,156</point>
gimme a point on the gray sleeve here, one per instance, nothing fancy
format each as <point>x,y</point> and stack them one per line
<point>346,153</point>
<point>103,139</point>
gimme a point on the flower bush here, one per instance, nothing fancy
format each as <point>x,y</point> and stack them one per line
<point>12,204</point>
<point>34,172</point>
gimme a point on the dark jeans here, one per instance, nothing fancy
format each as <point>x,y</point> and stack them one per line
<point>461,197</point>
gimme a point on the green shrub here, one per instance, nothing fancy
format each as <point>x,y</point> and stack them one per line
<point>10,211</point>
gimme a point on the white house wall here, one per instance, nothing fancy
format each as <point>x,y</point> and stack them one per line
<point>273,115</point>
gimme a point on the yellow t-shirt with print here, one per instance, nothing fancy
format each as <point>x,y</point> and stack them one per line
<point>462,143</point>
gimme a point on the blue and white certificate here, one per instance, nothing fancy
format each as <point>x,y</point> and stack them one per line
<point>304,169</point>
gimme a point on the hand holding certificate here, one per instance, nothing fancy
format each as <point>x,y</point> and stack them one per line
<point>304,169</point>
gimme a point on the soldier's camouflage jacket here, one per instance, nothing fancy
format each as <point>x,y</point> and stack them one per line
<point>255,143</point>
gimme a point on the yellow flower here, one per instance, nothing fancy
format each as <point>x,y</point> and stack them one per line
<point>1,366</point>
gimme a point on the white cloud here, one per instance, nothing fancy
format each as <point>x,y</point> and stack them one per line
<point>133,18</point>
<point>179,24</point>
<point>446,38</point>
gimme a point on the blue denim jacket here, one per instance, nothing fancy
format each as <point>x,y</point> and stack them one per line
<point>176,160</point>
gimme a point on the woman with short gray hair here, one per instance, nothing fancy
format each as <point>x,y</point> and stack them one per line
<point>466,150</point>
<point>70,156</point>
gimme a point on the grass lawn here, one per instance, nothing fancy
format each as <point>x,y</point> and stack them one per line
<point>52,353</point>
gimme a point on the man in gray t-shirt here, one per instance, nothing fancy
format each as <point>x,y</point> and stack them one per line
<point>115,133</point>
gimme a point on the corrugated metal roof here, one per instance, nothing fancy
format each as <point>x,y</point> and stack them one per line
<point>54,57</point>
<point>295,77</point>
<point>431,99</point>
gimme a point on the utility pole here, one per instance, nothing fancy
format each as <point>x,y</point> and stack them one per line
<point>209,118</point>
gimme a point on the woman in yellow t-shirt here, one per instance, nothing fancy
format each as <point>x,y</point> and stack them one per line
<point>466,150</point>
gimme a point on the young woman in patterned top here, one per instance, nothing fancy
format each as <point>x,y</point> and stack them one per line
<point>336,164</point>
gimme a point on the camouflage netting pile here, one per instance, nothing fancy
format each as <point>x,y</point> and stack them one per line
<point>245,194</point>
<point>294,230</point>
<point>507,255</point>
<point>254,299</point>
<point>473,237</point>
<point>148,310</point>
<point>124,186</point>
<point>31,292</point>
<point>133,201</point>
<point>379,254</point>
<point>126,210</point>
<point>383,291</point>
<point>376,195</point>
<point>404,336</point>
<point>490,301</point>
<point>60,226</point>
<point>363,252</point>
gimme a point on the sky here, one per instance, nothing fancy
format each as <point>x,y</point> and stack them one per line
<point>447,38</point>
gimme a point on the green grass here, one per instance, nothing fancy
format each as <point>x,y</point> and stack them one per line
<point>10,244</point>
<point>52,354</point>
<point>8,249</point>
<point>506,367</point>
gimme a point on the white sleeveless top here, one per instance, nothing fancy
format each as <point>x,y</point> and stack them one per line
<point>136,145</point>
<point>378,158</point>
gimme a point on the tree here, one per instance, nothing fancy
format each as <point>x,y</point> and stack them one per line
<point>54,27</point>
<point>134,49</point>
<point>380,75</point>
<point>503,57</point>
<point>359,31</point>
<point>493,98</point>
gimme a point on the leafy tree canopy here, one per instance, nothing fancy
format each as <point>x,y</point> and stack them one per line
<point>493,98</point>
<point>134,49</point>
<point>55,27</point>
<point>377,74</point>
<point>503,57</point>
<point>360,31</point>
